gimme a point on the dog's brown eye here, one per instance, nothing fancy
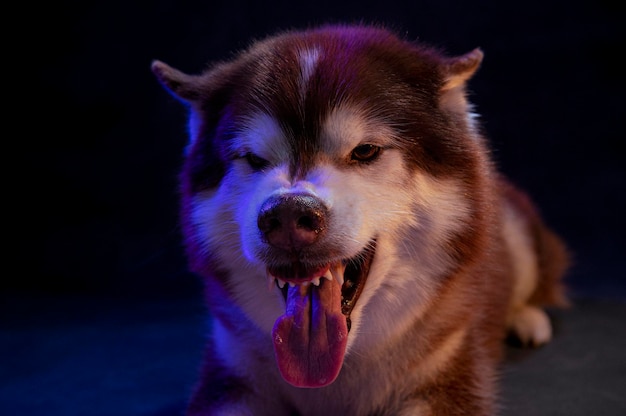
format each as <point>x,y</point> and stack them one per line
<point>365,153</point>
<point>256,162</point>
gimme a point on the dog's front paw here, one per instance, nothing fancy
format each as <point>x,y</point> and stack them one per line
<point>530,326</point>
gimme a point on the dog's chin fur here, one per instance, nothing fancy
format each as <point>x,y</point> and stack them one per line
<point>371,140</point>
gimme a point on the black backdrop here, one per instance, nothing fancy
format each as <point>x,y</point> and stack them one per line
<point>92,182</point>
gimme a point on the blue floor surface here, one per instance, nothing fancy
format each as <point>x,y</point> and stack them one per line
<point>88,356</point>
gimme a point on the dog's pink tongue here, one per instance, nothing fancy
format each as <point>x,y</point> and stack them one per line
<point>310,338</point>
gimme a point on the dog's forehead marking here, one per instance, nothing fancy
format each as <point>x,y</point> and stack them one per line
<point>308,59</point>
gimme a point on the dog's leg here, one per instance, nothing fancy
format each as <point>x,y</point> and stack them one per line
<point>538,260</point>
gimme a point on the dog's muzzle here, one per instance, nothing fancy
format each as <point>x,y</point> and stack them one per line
<point>320,289</point>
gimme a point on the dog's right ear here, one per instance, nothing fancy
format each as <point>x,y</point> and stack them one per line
<point>182,86</point>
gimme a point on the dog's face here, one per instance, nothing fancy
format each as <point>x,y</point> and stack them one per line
<point>332,167</point>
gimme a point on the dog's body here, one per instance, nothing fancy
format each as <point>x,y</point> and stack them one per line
<point>343,168</point>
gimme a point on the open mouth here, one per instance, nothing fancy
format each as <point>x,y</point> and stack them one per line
<point>310,339</point>
<point>350,274</point>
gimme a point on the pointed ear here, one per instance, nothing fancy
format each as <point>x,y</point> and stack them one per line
<point>183,86</point>
<point>456,72</point>
<point>461,68</point>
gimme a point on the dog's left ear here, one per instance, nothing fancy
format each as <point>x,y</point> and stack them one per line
<point>456,71</point>
<point>461,68</point>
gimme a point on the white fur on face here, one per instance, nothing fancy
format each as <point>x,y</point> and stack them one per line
<point>215,225</point>
<point>262,135</point>
<point>348,127</point>
<point>410,258</point>
<point>225,219</point>
<point>410,214</point>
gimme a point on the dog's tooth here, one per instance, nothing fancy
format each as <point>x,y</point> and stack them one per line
<point>328,275</point>
<point>337,272</point>
<point>316,281</point>
<point>281,283</point>
<point>292,284</point>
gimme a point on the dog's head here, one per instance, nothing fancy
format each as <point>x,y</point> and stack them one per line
<point>339,166</point>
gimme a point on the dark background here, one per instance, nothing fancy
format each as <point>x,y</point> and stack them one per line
<point>100,141</point>
<point>92,159</point>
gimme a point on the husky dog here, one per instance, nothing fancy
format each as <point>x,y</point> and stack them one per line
<point>361,254</point>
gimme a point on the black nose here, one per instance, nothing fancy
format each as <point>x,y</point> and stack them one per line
<point>292,221</point>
